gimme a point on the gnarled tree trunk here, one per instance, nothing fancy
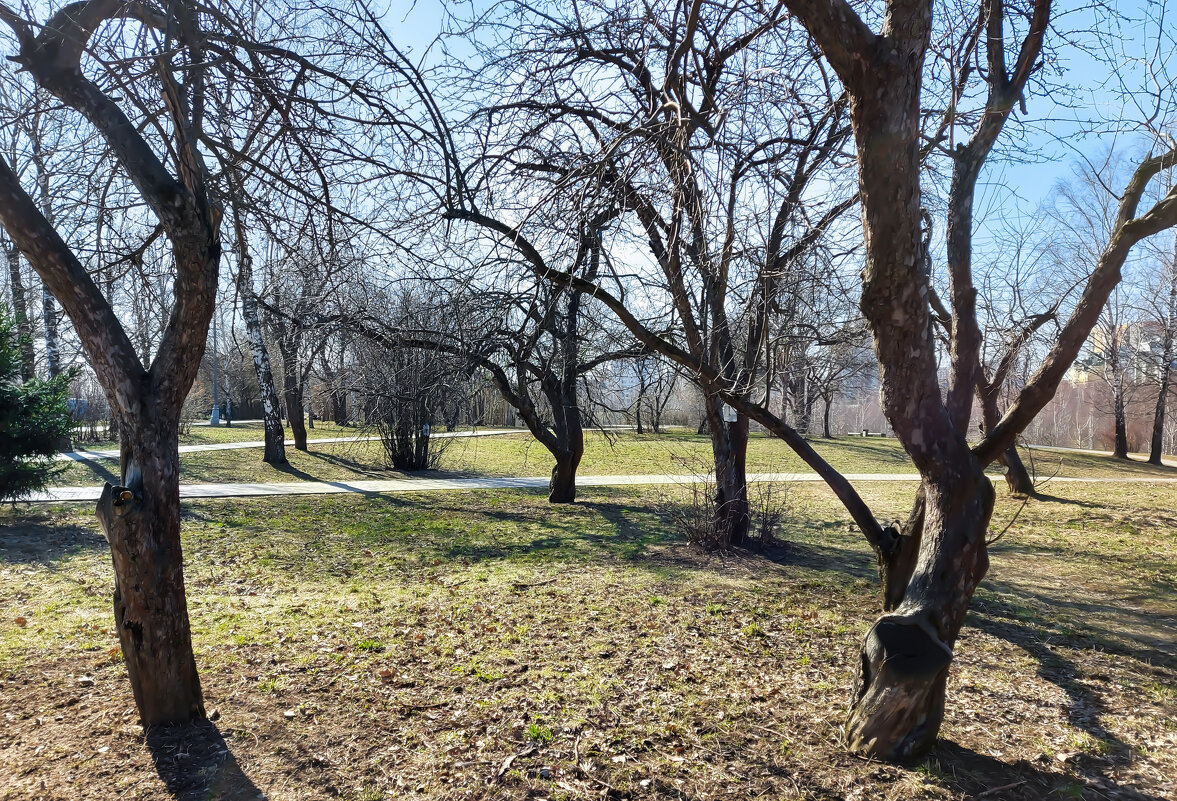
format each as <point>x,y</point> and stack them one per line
<point>898,700</point>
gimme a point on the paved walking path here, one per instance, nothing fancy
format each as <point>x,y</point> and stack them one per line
<point>61,494</point>
<point>113,455</point>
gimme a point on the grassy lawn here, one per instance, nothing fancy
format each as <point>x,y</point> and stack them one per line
<point>489,645</point>
<point>623,453</point>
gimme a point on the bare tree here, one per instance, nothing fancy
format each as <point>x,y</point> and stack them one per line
<point>655,383</point>
<point>1164,312</point>
<point>140,518</point>
<point>151,107</point>
<point>20,315</point>
<point>717,196</point>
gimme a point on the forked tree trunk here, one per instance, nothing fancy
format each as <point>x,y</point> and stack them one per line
<point>140,518</point>
<point>898,703</point>
<point>898,700</point>
<point>141,521</point>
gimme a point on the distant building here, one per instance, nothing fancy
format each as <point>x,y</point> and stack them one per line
<point>1138,345</point>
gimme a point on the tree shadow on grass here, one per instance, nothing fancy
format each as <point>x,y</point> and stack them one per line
<point>566,537</point>
<point>1108,625</point>
<point>1085,704</point>
<point>1042,496</point>
<point>196,764</point>
<point>978,775</point>
<point>294,472</point>
<point>98,467</point>
<point>630,537</point>
<point>363,468</point>
<point>823,558</point>
<point>32,541</point>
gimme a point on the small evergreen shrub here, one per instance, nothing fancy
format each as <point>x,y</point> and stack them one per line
<point>34,416</point>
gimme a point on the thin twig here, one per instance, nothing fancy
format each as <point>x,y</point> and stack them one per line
<point>507,762</point>
<point>996,790</point>
<point>1008,525</point>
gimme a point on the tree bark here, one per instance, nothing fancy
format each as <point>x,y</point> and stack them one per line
<point>141,521</point>
<point>567,435</point>
<point>48,305</point>
<point>899,700</point>
<point>1157,444</point>
<point>1017,478</point>
<point>562,487</point>
<point>339,407</point>
<point>825,419</point>
<point>52,347</point>
<point>896,554</point>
